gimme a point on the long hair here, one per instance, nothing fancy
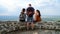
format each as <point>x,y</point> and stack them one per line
<point>38,12</point>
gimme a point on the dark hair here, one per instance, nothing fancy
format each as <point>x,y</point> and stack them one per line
<point>38,12</point>
<point>29,4</point>
<point>23,10</point>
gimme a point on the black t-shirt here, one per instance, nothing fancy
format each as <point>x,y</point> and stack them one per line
<point>30,9</point>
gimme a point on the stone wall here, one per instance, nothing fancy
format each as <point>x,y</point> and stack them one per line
<point>13,26</point>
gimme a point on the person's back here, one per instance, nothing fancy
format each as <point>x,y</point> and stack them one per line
<point>30,11</point>
<point>22,16</point>
<point>37,16</point>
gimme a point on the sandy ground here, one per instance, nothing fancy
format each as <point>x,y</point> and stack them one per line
<point>36,32</point>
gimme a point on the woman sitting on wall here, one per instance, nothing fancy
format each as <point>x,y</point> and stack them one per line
<point>37,16</point>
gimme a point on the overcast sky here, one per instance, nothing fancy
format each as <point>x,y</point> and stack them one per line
<point>13,7</point>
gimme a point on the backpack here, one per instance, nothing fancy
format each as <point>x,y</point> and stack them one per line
<point>30,11</point>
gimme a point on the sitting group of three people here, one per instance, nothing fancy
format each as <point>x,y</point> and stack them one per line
<point>31,15</point>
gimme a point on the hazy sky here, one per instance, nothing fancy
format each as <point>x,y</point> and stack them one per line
<point>13,7</point>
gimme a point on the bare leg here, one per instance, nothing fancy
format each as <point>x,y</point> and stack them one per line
<point>32,25</point>
<point>27,26</point>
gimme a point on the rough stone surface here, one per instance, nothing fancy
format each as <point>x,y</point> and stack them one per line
<point>10,26</point>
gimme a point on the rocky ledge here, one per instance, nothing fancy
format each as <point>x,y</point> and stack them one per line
<point>9,26</point>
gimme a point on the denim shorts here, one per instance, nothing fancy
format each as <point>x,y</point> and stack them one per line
<point>29,19</point>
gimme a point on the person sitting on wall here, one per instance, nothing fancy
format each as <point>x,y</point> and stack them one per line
<point>22,16</point>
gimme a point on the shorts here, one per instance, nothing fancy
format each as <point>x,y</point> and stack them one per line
<point>22,20</point>
<point>29,19</point>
